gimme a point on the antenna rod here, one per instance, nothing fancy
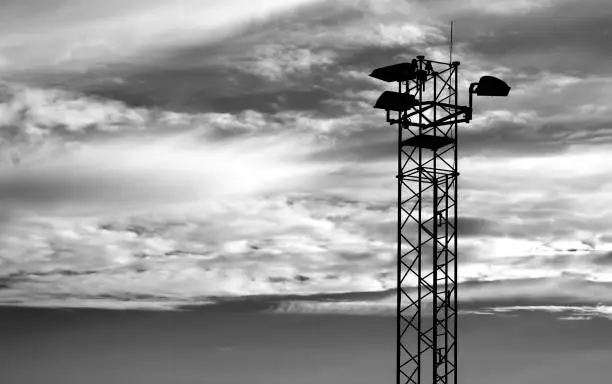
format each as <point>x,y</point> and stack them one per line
<point>451,44</point>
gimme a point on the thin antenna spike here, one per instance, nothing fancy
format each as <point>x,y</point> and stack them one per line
<point>451,43</point>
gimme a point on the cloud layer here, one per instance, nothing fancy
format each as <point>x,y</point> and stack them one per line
<point>158,156</point>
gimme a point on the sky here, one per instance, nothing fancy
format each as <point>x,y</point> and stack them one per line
<point>156,155</point>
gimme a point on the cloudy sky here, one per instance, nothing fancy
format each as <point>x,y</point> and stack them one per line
<point>157,154</point>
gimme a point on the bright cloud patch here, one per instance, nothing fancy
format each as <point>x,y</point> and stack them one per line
<point>276,62</point>
<point>237,247</point>
<point>510,8</point>
<point>338,307</point>
<point>568,312</point>
<point>74,36</point>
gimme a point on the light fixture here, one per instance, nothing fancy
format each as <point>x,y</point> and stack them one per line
<point>487,86</point>
<point>491,86</point>
<point>395,101</point>
<point>399,72</point>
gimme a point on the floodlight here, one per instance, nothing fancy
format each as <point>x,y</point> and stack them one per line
<point>487,86</point>
<point>491,86</point>
<point>395,101</point>
<point>398,72</point>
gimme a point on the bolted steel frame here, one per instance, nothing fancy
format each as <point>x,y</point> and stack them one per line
<point>427,224</point>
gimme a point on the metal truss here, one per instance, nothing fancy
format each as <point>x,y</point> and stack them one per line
<point>427,225</point>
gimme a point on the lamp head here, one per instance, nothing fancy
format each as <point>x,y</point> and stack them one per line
<point>396,72</point>
<point>491,86</point>
<point>395,101</point>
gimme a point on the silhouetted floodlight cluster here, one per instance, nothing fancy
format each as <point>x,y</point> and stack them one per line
<point>428,199</point>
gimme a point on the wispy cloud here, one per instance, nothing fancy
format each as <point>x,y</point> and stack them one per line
<point>338,307</point>
<point>568,312</point>
<point>75,35</point>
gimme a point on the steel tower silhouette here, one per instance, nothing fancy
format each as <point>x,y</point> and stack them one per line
<point>428,115</point>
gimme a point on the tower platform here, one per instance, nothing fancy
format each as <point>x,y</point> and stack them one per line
<point>428,141</point>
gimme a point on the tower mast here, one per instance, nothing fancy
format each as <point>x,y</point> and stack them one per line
<point>427,229</point>
<point>428,115</point>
